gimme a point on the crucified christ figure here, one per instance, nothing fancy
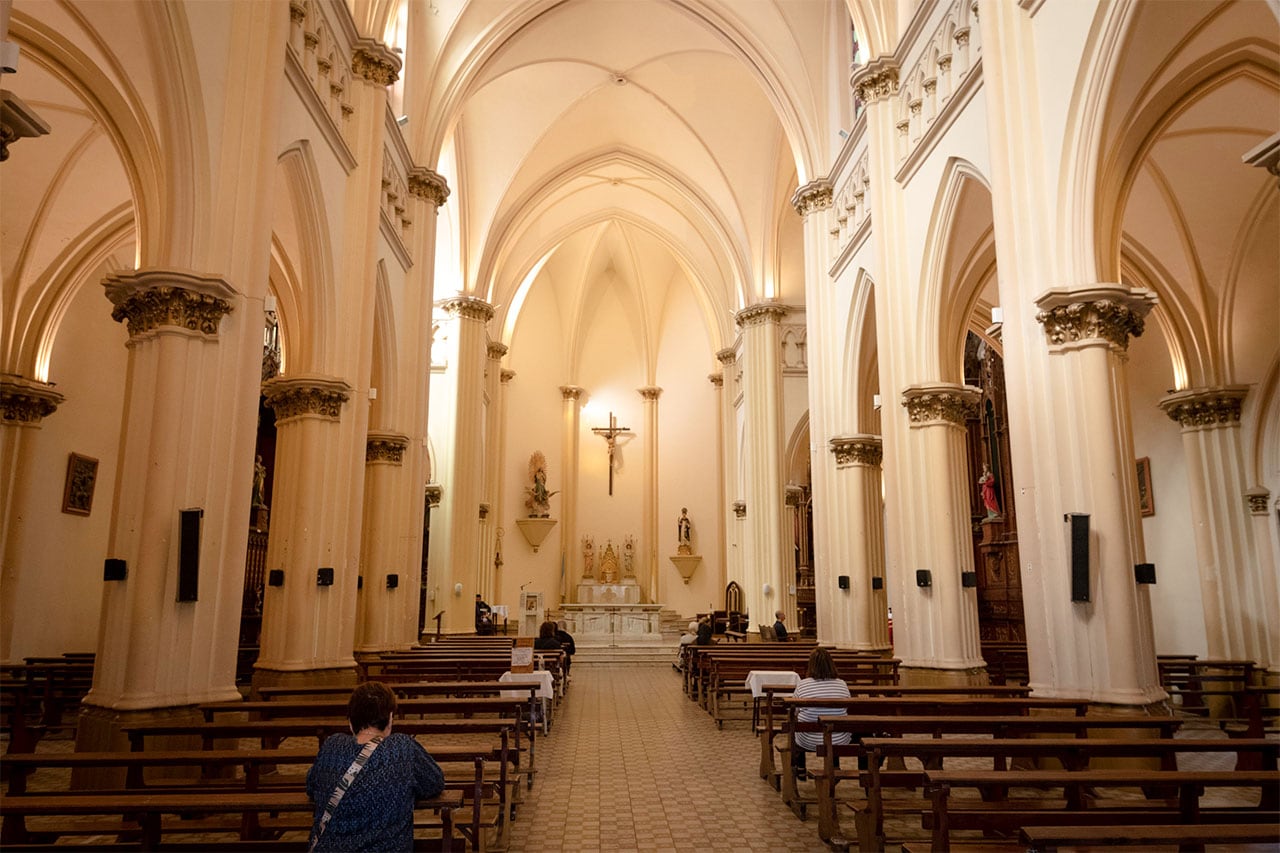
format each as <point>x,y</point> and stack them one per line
<point>610,435</point>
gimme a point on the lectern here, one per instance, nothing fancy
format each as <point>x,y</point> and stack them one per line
<point>532,613</point>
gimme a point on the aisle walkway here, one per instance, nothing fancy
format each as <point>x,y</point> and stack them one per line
<point>633,765</point>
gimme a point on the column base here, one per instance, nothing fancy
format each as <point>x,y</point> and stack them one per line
<point>343,676</point>
<point>101,729</point>
<point>919,676</point>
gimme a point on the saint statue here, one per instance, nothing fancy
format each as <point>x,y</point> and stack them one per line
<point>987,483</point>
<point>684,533</point>
<point>629,557</point>
<point>259,483</point>
<point>538,498</point>
<point>588,558</point>
<point>609,564</point>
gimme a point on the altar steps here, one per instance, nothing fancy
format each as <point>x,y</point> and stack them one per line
<point>655,651</point>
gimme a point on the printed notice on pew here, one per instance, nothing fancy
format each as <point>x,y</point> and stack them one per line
<point>522,655</point>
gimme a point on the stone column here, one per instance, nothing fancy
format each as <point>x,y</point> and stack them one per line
<point>455,544</point>
<point>1233,591</point>
<point>722,499</point>
<point>570,552</point>
<point>24,403</point>
<point>730,486</point>
<point>493,457</point>
<point>1266,538</point>
<point>649,511</point>
<point>940,621</point>
<point>380,600</point>
<point>791,527</point>
<point>857,616</point>
<point>763,446</point>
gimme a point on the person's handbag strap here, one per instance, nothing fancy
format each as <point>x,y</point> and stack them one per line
<point>343,784</point>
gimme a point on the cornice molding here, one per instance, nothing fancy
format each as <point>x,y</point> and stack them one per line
<point>761,312</point>
<point>650,392</point>
<point>877,80</point>
<point>942,402</point>
<point>1198,408</point>
<point>26,402</point>
<point>375,62</point>
<point>1102,314</point>
<point>849,450</point>
<point>386,448</point>
<point>813,196</point>
<point>149,299</point>
<point>299,396</point>
<point>428,185</point>
<point>467,307</point>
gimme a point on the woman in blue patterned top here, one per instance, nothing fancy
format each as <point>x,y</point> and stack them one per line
<point>376,812</point>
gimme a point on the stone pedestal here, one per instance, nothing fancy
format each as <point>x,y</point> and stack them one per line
<point>686,563</point>
<point>534,530</point>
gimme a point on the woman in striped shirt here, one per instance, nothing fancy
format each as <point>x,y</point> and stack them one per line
<point>823,683</point>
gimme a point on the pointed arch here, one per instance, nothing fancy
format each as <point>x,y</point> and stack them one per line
<point>384,368</point>
<point>308,297</point>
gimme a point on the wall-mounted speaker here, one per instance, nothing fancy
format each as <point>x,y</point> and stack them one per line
<point>189,521</point>
<point>924,577</point>
<point>275,577</point>
<point>877,583</point>
<point>843,580</point>
<point>1145,572</point>
<point>359,582</point>
<point>1079,522</point>
<point>324,577</point>
<point>393,581</point>
<point>113,569</point>
<point>969,580</point>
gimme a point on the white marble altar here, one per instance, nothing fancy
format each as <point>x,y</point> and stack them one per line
<point>613,624</point>
<point>627,592</point>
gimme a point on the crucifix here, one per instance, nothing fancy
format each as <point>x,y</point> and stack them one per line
<point>610,435</point>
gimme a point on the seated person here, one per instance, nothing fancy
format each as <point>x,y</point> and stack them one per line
<point>547,636</point>
<point>704,632</point>
<point>566,643</point>
<point>823,682</point>
<point>484,617</point>
<point>373,810</point>
<point>779,629</point>
<point>687,638</point>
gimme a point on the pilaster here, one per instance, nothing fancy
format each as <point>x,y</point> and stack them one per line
<point>1239,608</point>
<point>384,562</point>
<point>730,488</point>
<point>570,553</point>
<point>649,511</point>
<point>493,470</point>
<point>859,614</point>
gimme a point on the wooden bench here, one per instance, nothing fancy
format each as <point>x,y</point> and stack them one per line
<point>1048,839</point>
<point>1008,817</point>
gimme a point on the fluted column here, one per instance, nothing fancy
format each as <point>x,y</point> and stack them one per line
<point>570,553</point>
<point>455,544</point>
<point>730,484</point>
<point>649,508</point>
<point>791,518</point>
<point>940,621</point>
<point>1266,539</point>
<point>24,403</point>
<point>492,468</point>
<point>763,542</point>
<point>1107,644</point>
<point>857,617</point>
<point>384,563</point>
<point>722,495</point>
<point>1233,592</point>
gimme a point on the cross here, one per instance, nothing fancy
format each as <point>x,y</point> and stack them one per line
<point>610,435</point>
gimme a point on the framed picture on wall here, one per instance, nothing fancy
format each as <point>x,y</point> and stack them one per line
<point>82,476</point>
<point>1146,497</point>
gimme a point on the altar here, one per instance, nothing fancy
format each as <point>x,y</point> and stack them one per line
<point>627,592</point>
<point>613,624</point>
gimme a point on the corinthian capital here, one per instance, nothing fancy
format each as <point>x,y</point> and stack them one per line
<point>25,402</point>
<point>857,450</point>
<point>467,307</point>
<point>571,392</point>
<point>650,392</point>
<point>813,196</point>
<point>943,402</point>
<point>428,186</point>
<point>1104,314</point>
<point>497,350</point>
<point>149,299</point>
<point>761,312</point>
<point>298,396</point>
<point>385,447</point>
<point>1197,408</point>
<point>375,62</point>
<point>876,81</point>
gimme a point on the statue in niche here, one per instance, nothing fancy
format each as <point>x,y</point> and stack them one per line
<point>987,483</point>
<point>609,564</point>
<point>259,483</point>
<point>538,498</point>
<point>629,557</point>
<point>588,558</point>
<point>684,533</point>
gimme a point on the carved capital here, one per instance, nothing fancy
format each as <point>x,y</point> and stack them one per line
<point>1106,314</point>
<point>740,509</point>
<point>875,81</point>
<point>795,496</point>
<point>385,447</point>
<point>297,11</point>
<point>299,396</point>
<point>857,450</point>
<point>433,493</point>
<point>149,299</point>
<point>467,307</point>
<point>1198,408</point>
<point>571,392</point>
<point>375,62</point>
<point>716,379</point>
<point>941,403</point>
<point>813,196</point>
<point>506,376</point>
<point>25,402</point>
<point>761,312</point>
<point>428,186</point>
<point>726,356</point>
<point>1256,499</point>
<point>650,393</point>
<point>497,350</point>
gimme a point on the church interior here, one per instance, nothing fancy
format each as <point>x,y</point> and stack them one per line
<point>939,330</point>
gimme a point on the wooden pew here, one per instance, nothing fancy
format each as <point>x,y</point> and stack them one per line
<point>1048,839</point>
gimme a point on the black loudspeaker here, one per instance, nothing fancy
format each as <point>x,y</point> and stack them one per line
<point>393,581</point>
<point>324,577</point>
<point>113,569</point>
<point>924,577</point>
<point>275,577</point>
<point>359,582</point>
<point>1145,572</point>
<point>189,553</point>
<point>1079,522</point>
<point>843,580</point>
<point>968,580</point>
<point>877,583</point>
